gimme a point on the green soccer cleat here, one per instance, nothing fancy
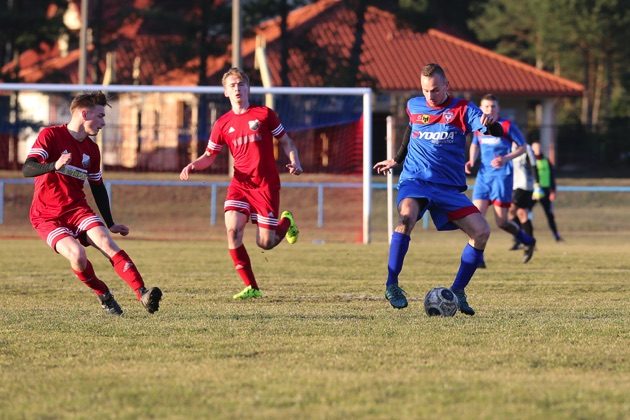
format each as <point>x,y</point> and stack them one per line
<point>293,232</point>
<point>247,293</point>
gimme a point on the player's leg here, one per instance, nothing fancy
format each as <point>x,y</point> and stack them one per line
<point>408,212</point>
<point>551,219</point>
<point>75,253</point>
<point>500,214</point>
<point>99,237</point>
<point>513,217</point>
<point>478,231</point>
<point>235,222</point>
<point>522,215</point>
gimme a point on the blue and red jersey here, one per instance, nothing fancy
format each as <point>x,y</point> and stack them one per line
<point>491,147</point>
<point>437,148</point>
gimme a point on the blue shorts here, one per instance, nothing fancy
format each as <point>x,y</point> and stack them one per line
<point>446,203</point>
<point>497,190</point>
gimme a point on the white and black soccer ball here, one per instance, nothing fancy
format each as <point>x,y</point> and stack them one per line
<point>440,301</point>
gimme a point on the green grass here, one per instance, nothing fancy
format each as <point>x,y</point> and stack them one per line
<point>550,338</point>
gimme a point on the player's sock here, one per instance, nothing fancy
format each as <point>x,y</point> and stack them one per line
<point>243,266</point>
<point>397,251</point>
<point>88,277</point>
<point>528,228</point>
<point>283,226</point>
<point>127,271</point>
<point>524,237</point>
<point>471,257</point>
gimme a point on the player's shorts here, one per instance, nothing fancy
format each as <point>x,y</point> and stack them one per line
<point>74,224</point>
<point>497,190</point>
<point>523,199</point>
<point>446,203</point>
<point>262,204</point>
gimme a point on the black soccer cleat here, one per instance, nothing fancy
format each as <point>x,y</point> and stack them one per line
<point>396,296</point>
<point>529,251</point>
<point>109,304</point>
<point>150,299</point>
<point>463,303</point>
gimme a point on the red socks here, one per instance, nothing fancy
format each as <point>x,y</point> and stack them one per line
<point>283,226</point>
<point>243,266</point>
<point>126,270</point>
<point>88,277</point>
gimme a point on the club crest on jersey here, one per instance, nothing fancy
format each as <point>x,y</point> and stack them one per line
<point>253,125</point>
<point>423,118</point>
<point>448,116</point>
<point>85,161</point>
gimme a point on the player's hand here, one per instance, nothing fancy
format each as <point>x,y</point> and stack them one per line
<point>497,162</point>
<point>185,173</point>
<point>468,167</point>
<point>121,229</point>
<point>294,168</point>
<point>487,120</point>
<point>385,166</point>
<point>552,196</point>
<point>63,160</point>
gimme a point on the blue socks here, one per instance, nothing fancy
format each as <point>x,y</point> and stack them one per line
<point>397,251</point>
<point>471,257</point>
<point>524,237</point>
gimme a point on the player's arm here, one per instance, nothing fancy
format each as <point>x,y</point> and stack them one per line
<point>384,166</point>
<point>294,167</point>
<point>502,160</point>
<point>33,168</point>
<point>474,154</point>
<point>202,162</point>
<point>101,198</point>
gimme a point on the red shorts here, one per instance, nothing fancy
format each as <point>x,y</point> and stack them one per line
<point>73,224</point>
<point>261,204</point>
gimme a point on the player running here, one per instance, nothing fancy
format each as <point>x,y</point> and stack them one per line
<point>495,176</point>
<point>433,152</point>
<point>254,192</point>
<point>61,160</point>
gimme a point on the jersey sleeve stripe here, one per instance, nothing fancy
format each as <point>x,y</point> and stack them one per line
<point>95,176</point>
<point>213,147</point>
<point>36,151</point>
<point>278,130</point>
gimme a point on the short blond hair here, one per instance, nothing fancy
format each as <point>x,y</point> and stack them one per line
<point>235,71</point>
<point>89,100</point>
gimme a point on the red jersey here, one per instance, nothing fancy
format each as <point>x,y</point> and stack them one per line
<point>249,137</point>
<point>59,192</point>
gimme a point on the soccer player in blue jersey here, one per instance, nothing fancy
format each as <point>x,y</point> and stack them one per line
<point>495,177</point>
<point>433,179</point>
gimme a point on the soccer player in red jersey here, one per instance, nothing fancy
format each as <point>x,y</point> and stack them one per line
<point>254,192</point>
<point>61,160</point>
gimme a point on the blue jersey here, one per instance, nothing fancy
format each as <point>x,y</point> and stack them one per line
<point>490,147</point>
<point>437,147</point>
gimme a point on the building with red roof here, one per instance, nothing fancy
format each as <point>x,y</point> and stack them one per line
<point>377,51</point>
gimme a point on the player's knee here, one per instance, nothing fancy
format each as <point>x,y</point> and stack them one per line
<point>265,243</point>
<point>76,255</point>
<point>233,234</point>
<point>405,224</point>
<point>481,234</point>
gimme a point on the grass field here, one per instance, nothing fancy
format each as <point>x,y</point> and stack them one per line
<point>550,338</point>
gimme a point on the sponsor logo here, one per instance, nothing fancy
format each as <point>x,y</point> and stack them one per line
<point>435,135</point>
<point>250,138</point>
<point>253,125</point>
<point>448,116</point>
<point>74,172</point>
<point>85,161</point>
<point>231,130</point>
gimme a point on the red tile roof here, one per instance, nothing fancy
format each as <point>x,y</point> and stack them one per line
<point>391,55</point>
<point>390,60</point>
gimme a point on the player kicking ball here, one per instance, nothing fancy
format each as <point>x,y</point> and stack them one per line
<point>62,158</point>
<point>254,192</point>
